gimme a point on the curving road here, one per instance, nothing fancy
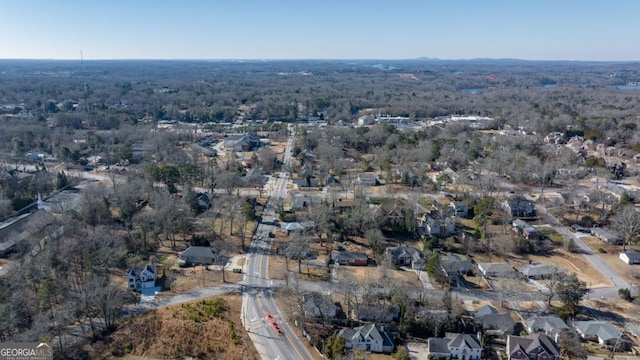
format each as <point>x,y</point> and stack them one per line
<point>257,295</point>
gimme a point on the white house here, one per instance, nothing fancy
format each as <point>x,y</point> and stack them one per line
<point>454,346</point>
<point>366,179</point>
<point>141,277</point>
<point>368,338</point>
<point>630,257</point>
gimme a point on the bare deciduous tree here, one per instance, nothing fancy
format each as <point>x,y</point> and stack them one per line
<point>627,222</point>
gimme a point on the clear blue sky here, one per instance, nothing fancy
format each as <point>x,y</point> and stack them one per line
<point>321,29</point>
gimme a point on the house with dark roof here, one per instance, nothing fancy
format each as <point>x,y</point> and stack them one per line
<point>499,270</point>
<point>306,182</point>
<point>460,209</point>
<point>406,256</point>
<point>519,207</point>
<point>454,346</point>
<point>368,338</point>
<point>366,179</point>
<point>630,257</point>
<point>601,331</point>
<point>196,255</point>
<point>141,277</point>
<point>319,306</point>
<point>351,258</point>
<point>453,264</point>
<point>384,313</point>
<point>532,347</point>
<point>551,325</point>
<point>538,271</point>
<point>454,268</point>
<point>204,202</point>
<point>493,322</point>
<point>255,177</point>
<point>301,202</point>
<point>527,231</point>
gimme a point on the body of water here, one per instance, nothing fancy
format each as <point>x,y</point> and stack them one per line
<point>627,87</point>
<point>472,90</point>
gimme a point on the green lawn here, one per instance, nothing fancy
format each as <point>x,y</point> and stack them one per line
<point>553,235</point>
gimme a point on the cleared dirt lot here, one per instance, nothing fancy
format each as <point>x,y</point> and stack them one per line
<point>379,275</point>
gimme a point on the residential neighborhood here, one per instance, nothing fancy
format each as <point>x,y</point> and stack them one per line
<point>312,229</point>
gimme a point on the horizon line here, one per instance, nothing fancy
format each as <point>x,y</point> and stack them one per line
<point>422,58</point>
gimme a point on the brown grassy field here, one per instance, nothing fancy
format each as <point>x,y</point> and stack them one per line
<point>570,263</point>
<point>631,273</point>
<point>188,279</point>
<point>5,262</point>
<point>205,329</point>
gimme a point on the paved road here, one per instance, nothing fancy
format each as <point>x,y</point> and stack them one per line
<point>617,281</point>
<point>257,296</point>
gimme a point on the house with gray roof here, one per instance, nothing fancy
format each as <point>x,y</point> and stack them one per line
<point>634,330</point>
<point>606,236</point>
<point>289,227</point>
<point>527,231</point>
<point>532,347</point>
<point>497,269</point>
<point>601,331</point>
<point>242,142</point>
<point>454,346</point>
<point>551,325</point>
<point>368,338</point>
<point>453,264</point>
<point>366,179</point>
<point>319,306</point>
<point>460,208</point>
<point>630,257</point>
<point>538,271</point>
<point>485,310</point>
<point>406,256</point>
<point>255,177</point>
<point>493,322</point>
<point>385,313</point>
<point>300,202</point>
<point>196,255</point>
